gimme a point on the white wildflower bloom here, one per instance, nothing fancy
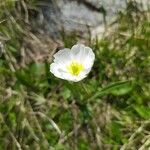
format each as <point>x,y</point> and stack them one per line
<point>73,65</point>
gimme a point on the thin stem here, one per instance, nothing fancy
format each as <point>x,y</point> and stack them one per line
<point>85,89</point>
<point>11,134</point>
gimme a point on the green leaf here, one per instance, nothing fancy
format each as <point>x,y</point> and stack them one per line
<point>115,131</point>
<point>66,93</point>
<point>143,111</point>
<point>122,89</point>
<point>117,88</point>
<point>24,78</point>
<point>37,69</point>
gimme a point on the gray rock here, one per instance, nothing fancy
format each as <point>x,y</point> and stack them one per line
<point>77,15</point>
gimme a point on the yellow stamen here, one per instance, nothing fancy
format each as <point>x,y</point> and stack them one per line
<point>75,68</point>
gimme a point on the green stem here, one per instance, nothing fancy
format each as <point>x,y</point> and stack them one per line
<point>85,89</point>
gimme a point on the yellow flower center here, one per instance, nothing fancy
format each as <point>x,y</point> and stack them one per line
<point>75,68</point>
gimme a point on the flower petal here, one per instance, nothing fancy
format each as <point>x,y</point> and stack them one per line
<point>77,52</point>
<point>60,72</point>
<point>54,69</point>
<point>83,55</point>
<point>62,56</point>
<point>89,58</point>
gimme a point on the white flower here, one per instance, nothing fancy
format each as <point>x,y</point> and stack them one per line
<point>74,64</point>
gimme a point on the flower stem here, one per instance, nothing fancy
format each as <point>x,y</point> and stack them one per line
<point>85,89</point>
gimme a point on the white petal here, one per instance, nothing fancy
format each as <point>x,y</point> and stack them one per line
<point>88,58</point>
<point>83,55</point>
<point>79,78</point>
<point>60,72</point>
<point>69,77</point>
<point>77,52</point>
<point>62,56</point>
<point>54,70</point>
<point>75,78</point>
<point>85,72</point>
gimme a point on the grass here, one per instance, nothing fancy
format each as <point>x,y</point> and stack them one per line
<point>108,110</point>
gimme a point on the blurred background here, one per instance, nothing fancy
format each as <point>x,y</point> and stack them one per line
<point>41,112</point>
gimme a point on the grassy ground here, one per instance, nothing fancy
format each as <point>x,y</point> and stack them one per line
<point>109,110</point>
